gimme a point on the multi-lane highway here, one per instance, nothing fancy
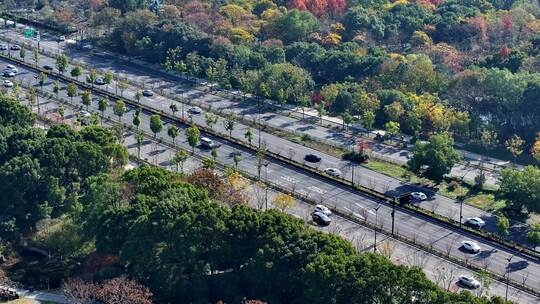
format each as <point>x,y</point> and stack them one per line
<point>161,83</point>
<point>423,231</point>
<point>438,269</point>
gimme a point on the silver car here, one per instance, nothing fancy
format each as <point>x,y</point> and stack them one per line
<point>332,172</point>
<point>469,281</point>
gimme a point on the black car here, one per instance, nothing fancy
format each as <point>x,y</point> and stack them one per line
<point>148,93</point>
<point>100,81</point>
<point>48,67</point>
<point>320,218</point>
<point>312,158</point>
<point>15,47</point>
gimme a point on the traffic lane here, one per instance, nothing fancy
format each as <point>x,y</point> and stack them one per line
<point>361,237</point>
<point>290,177</point>
<point>377,181</point>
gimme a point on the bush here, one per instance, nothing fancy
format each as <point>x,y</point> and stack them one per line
<point>534,237</point>
<point>453,186</point>
<point>479,181</point>
<point>356,157</point>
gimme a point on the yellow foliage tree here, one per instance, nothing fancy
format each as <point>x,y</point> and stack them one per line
<point>284,201</point>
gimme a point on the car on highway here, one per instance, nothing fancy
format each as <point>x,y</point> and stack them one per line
<point>469,281</point>
<point>7,83</point>
<point>99,81</point>
<point>84,117</point>
<point>48,68</point>
<point>475,222</point>
<point>148,93</point>
<point>323,209</point>
<point>61,38</point>
<point>12,68</point>
<point>312,158</point>
<point>15,47</point>
<point>204,83</point>
<point>8,73</point>
<point>207,143</point>
<point>332,172</point>
<point>3,47</point>
<point>470,246</point>
<point>320,218</point>
<point>195,110</point>
<point>419,196</point>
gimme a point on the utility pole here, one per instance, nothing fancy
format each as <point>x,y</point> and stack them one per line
<point>460,212</point>
<point>507,277</point>
<point>266,185</point>
<point>375,238</point>
<point>393,214</point>
<point>352,174</point>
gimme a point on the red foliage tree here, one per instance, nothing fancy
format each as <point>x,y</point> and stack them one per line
<point>337,7</point>
<point>320,7</point>
<point>481,26</point>
<point>505,52</point>
<point>122,290</point>
<point>506,23</point>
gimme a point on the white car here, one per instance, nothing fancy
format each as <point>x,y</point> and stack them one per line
<point>8,83</point>
<point>475,222</point>
<point>332,171</point>
<point>323,209</point>
<point>471,246</point>
<point>204,83</point>
<point>62,38</point>
<point>11,67</point>
<point>469,281</point>
<point>420,196</point>
<point>3,47</point>
<point>195,110</point>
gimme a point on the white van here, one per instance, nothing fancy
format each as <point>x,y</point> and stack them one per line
<point>207,143</point>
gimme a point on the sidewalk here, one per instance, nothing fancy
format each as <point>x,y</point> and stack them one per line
<point>39,295</point>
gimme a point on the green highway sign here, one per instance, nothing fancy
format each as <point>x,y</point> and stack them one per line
<point>29,33</point>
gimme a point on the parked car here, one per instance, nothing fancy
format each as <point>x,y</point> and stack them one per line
<point>61,38</point>
<point>207,143</point>
<point>84,117</point>
<point>332,172</point>
<point>470,246</point>
<point>320,218</point>
<point>12,68</point>
<point>100,81</point>
<point>148,93</point>
<point>469,281</point>
<point>419,196</point>
<point>195,110</point>
<point>323,209</point>
<point>15,47</point>
<point>48,68</point>
<point>475,222</point>
<point>312,158</point>
<point>3,47</point>
<point>7,83</point>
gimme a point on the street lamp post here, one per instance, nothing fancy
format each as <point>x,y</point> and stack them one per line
<point>375,239</point>
<point>460,211</point>
<point>266,186</point>
<point>507,277</point>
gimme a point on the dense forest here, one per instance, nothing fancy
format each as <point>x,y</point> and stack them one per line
<point>469,67</point>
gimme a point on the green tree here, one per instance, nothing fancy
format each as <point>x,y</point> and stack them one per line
<point>42,77</point>
<point>156,125</point>
<point>76,71</point>
<point>136,120</point>
<point>22,53</point>
<point>174,108</point>
<point>32,98</point>
<point>173,133</point>
<point>368,119</point>
<point>211,120</point>
<point>61,112</point>
<point>71,90</point>
<point>56,88</point>
<point>209,164</point>
<point>520,189</point>
<point>295,25</point>
<point>138,96</point>
<point>392,128</point>
<point>61,63</point>
<point>103,104</point>
<point>248,135</point>
<point>193,136</point>
<point>36,57</point>
<point>108,78</point>
<point>86,98</point>
<point>119,109</point>
<point>320,111</point>
<point>214,153</point>
<point>503,225</point>
<point>236,158</point>
<point>92,77</point>
<point>179,158</point>
<point>139,137</point>
<point>346,118</point>
<point>438,155</point>
<point>229,124</point>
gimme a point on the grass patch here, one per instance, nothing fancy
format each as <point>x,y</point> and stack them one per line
<point>389,169</point>
<point>485,201</point>
<point>25,301</point>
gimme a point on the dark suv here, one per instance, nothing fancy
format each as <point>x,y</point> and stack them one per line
<point>312,158</point>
